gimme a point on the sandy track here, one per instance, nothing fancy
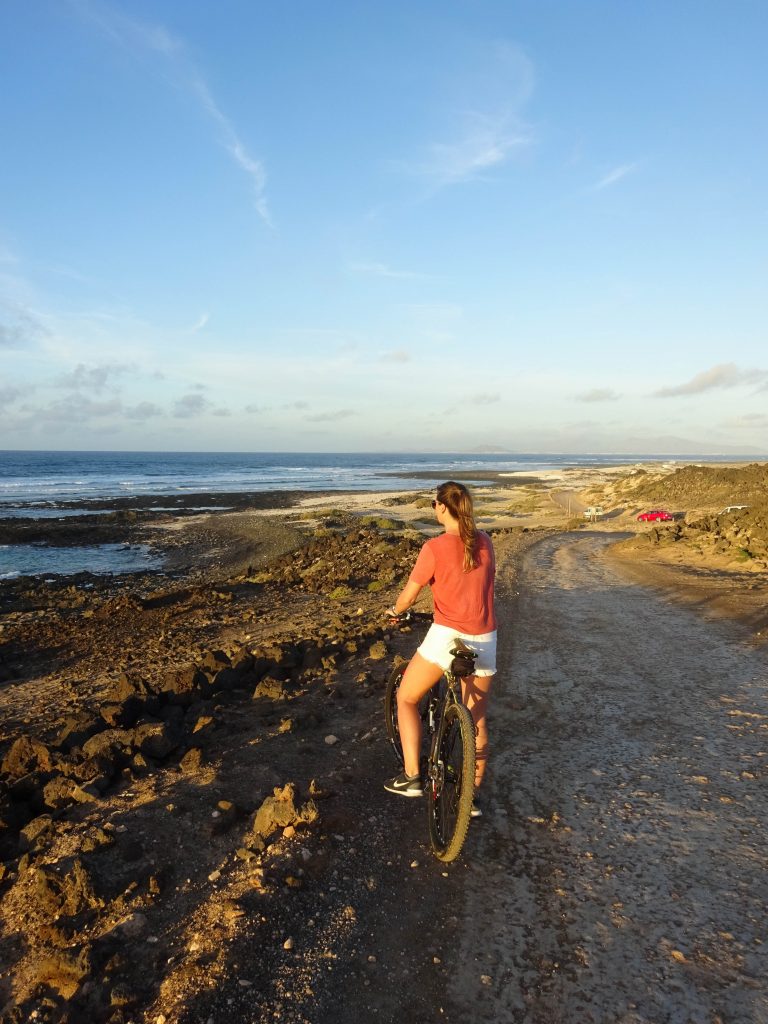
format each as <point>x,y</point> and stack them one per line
<point>622,877</point>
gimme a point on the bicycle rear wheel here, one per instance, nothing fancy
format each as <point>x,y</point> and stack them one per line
<point>451,782</point>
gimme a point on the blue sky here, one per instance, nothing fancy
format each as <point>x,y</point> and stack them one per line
<point>537,225</point>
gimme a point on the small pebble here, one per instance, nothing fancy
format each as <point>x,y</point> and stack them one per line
<point>331,740</point>
<point>244,982</point>
<point>414,863</point>
<point>486,979</point>
<point>288,944</point>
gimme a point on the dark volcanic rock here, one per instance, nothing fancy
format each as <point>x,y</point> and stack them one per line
<point>213,661</point>
<point>184,685</point>
<point>66,890</point>
<point>155,739</point>
<point>26,755</point>
<point>75,730</point>
<point>280,810</point>
<point>272,688</point>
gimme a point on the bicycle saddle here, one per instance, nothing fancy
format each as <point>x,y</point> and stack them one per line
<point>460,648</point>
<point>463,663</point>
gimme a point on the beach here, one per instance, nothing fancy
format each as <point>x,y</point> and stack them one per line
<point>191,756</point>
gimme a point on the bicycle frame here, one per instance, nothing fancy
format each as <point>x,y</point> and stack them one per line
<point>444,694</point>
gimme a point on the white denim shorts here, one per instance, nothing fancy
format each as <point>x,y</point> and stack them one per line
<point>437,644</point>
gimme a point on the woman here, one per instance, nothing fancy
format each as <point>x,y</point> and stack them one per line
<point>459,566</point>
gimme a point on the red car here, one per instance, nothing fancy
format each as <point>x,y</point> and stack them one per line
<point>658,515</point>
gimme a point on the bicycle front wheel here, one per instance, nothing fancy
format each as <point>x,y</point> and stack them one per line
<point>390,708</point>
<point>451,782</point>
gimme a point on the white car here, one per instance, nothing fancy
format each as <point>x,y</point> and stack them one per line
<point>732,508</point>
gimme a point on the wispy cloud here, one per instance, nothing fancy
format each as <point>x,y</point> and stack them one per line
<point>486,142</point>
<point>142,411</point>
<point>76,409</point>
<point>19,327</point>
<point>490,129</point>
<point>142,38</point>
<point>598,395</point>
<point>382,270</point>
<point>8,395</point>
<point>749,421</point>
<point>398,355</point>
<point>332,416</point>
<point>485,398</point>
<point>200,323</point>
<point>614,176</point>
<point>189,406</point>
<point>94,378</point>
<point>724,375</point>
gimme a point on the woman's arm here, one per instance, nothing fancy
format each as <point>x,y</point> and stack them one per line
<point>406,598</point>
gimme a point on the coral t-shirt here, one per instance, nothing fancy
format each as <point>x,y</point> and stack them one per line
<point>463,600</point>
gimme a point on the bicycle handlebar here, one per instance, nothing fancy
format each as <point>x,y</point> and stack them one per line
<point>408,616</point>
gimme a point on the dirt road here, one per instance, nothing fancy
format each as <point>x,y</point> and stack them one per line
<point>622,876</point>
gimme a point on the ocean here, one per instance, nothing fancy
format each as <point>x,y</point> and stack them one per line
<point>53,485</point>
<point>35,482</point>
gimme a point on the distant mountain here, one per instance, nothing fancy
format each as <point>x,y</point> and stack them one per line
<point>488,449</point>
<point>663,445</point>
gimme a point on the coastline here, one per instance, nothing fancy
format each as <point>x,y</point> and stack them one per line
<point>221,711</point>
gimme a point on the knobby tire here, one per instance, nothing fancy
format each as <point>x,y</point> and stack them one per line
<point>449,796</point>
<point>390,708</point>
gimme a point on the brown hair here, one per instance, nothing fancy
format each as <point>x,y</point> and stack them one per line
<point>458,501</point>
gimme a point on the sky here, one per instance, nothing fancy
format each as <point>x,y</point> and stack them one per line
<point>518,225</point>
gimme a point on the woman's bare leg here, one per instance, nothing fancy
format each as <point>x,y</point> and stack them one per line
<point>475,690</point>
<point>420,676</point>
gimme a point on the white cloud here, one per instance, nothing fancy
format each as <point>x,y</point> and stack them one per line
<point>382,270</point>
<point>142,411</point>
<point>724,375</point>
<point>749,421</point>
<point>614,176</point>
<point>189,406</point>
<point>487,142</point>
<point>140,38</point>
<point>332,416</point>
<point>93,378</point>
<point>200,323</point>
<point>490,128</point>
<point>597,395</point>
<point>396,356</point>
<point>21,327</point>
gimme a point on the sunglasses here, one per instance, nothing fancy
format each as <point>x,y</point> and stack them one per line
<point>434,503</point>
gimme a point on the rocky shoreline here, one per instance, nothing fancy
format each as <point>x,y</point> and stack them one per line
<point>211,701</point>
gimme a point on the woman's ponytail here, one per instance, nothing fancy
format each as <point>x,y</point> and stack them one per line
<point>458,501</point>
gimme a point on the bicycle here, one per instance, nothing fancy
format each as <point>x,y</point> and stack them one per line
<point>450,769</point>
